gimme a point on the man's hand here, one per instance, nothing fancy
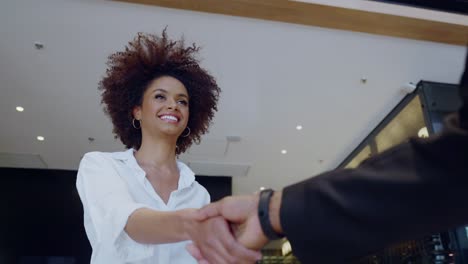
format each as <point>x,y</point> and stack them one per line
<point>213,242</point>
<point>241,211</point>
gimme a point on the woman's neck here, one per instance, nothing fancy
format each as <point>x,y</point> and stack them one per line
<point>157,159</point>
<point>157,153</point>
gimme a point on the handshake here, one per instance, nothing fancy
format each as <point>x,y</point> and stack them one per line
<point>229,231</point>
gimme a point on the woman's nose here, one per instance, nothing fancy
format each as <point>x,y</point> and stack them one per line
<point>171,104</point>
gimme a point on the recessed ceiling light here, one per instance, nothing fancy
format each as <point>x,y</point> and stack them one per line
<point>40,138</point>
<point>284,151</point>
<point>19,109</point>
<point>298,127</point>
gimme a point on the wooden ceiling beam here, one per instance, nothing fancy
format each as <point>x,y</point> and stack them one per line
<point>325,16</point>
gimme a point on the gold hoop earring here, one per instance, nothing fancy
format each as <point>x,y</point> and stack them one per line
<point>187,133</point>
<point>133,123</point>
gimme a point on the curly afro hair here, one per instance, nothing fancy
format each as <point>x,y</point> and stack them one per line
<point>146,58</point>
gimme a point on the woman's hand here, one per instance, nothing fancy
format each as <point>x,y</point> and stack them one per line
<point>214,242</point>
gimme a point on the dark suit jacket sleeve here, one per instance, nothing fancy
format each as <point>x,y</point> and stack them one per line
<point>416,188</point>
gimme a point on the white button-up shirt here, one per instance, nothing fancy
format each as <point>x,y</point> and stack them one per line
<point>111,186</point>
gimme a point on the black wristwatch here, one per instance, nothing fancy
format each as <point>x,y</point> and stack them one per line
<point>264,214</point>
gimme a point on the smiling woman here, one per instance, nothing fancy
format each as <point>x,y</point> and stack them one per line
<point>138,204</point>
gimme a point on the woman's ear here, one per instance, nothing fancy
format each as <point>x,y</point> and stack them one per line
<point>136,112</point>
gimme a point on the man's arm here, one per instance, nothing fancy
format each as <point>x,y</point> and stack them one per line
<point>411,190</point>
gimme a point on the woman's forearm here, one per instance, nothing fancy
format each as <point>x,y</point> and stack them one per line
<point>157,227</point>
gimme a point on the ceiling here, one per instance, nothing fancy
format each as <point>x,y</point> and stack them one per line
<point>274,76</point>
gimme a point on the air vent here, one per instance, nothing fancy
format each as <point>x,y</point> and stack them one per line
<point>219,169</point>
<point>209,148</point>
<point>15,160</point>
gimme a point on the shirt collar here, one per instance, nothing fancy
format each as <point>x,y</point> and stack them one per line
<point>187,176</point>
<point>123,155</point>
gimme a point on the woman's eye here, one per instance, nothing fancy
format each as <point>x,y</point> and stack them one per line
<point>183,102</point>
<point>159,96</point>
